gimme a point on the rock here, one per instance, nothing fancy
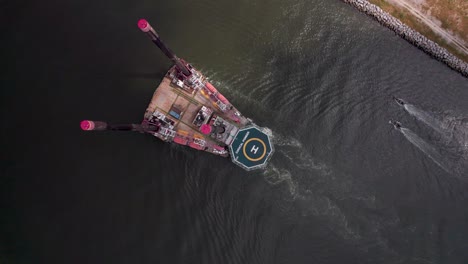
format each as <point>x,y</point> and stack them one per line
<point>411,35</point>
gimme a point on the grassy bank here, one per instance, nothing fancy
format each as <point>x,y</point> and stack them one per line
<point>407,18</point>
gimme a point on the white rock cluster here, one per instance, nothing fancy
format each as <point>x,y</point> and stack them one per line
<point>411,35</point>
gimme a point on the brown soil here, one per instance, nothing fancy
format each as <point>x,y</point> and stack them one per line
<point>451,13</point>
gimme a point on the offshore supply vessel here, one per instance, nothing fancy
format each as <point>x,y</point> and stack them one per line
<point>187,109</point>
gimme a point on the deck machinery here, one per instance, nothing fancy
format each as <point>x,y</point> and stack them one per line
<point>187,109</point>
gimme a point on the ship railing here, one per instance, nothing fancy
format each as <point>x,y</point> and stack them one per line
<point>219,152</point>
<point>159,115</point>
<point>200,142</point>
<point>167,132</point>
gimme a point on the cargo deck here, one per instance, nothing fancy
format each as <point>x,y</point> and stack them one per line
<point>175,107</point>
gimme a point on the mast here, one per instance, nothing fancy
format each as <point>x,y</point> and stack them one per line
<point>151,33</point>
<point>88,125</point>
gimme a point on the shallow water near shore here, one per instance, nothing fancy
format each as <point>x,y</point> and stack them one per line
<point>342,187</point>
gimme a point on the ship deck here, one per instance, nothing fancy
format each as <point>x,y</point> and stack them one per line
<point>168,96</point>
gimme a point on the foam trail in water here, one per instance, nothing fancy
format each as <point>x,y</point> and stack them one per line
<point>459,128</point>
<point>322,192</point>
<point>293,150</point>
<point>451,128</point>
<point>306,176</point>
<point>275,175</point>
<point>316,203</point>
<point>279,140</point>
<point>428,149</point>
<point>426,118</point>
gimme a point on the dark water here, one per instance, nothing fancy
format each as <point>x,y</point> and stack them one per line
<point>342,187</point>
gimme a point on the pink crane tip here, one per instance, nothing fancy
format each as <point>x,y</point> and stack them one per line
<point>143,24</point>
<point>87,125</point>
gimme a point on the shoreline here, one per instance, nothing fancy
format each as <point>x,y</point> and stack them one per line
<point>412,36</point>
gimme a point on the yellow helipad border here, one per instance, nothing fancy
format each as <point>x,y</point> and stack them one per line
<point>264,149</point>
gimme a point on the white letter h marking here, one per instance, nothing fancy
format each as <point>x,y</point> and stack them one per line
<point>254,149</point>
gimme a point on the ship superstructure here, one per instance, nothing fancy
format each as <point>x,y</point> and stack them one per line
<point>187,109</point>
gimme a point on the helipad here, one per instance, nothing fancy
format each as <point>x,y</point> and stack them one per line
<point>251,148</point>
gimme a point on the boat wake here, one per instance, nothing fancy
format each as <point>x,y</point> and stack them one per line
<point>453,129</point>
<point>318,190</point>
<point>426,118</point>
<point>428,149</point>
<point>452,162</point>
<point>293,158</point>
<point>452,152</point>
<point>295,153</point>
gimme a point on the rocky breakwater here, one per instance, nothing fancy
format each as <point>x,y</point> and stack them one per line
<point>411,35</point>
